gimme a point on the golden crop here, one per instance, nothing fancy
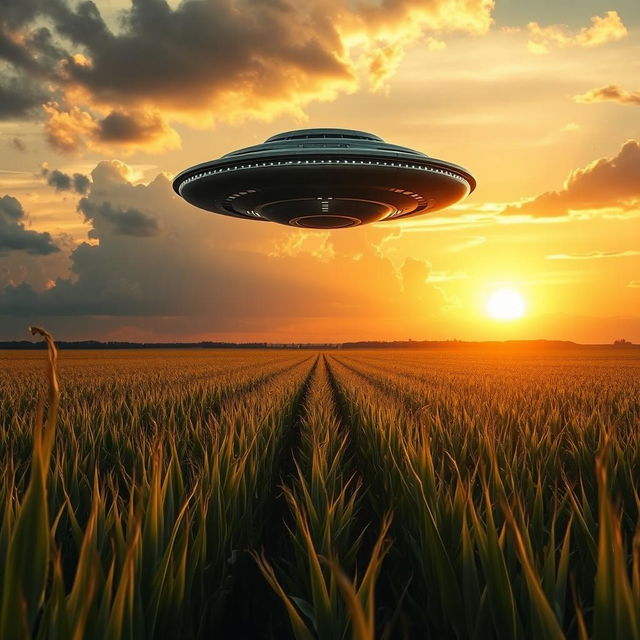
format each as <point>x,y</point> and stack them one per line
<point>476,494</point>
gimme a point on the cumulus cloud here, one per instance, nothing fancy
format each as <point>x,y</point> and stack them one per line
<point>604,184</point>
<point>13,234</point>
<point>603,29</point>
<point>157,262</point>
<point>610,93</point>
<point>61,181</point>
<point>215,60</point>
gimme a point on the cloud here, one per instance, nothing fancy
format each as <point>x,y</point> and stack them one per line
<point>158,264</point>
<point>634,284</point>
<point>605,183</point>
<point>137,128</point>
<point>607,28</point>
<point>67,129</point>
<point>126,222</point>
<point>418,288</point>
<point>610,93</point>
<point>58,180</point>
<point>61,181</point>
<point>81,183</point>
<point>216,60</point>
<point>593,255</point>
<point>14,236</point>
<point>19,97</point>
<point>73,129</point>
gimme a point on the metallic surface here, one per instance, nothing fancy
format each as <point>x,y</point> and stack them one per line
<point>324,179</point>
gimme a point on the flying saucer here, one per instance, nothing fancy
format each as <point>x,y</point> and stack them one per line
<point>324,179</point>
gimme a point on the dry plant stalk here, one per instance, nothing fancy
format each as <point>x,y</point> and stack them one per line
<point>27,566</point>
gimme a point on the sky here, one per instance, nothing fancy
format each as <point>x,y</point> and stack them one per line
<point>101,104</point>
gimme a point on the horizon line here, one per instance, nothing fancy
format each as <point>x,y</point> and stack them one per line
<point>221,344</point>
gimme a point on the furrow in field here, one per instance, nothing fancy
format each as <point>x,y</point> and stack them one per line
<point>324,523</point>
<point>250,437</point>
<point>253,609</point>
<point>396,464</point>
<point>368,511</point>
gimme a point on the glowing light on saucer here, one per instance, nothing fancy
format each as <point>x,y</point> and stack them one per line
<point>506,304</point>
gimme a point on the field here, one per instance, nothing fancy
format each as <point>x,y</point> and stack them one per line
<point>476,494</point>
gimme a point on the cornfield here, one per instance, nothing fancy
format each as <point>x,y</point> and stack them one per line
<point>297,494</point>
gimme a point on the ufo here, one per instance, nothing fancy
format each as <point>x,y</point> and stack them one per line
<point>324,179</point>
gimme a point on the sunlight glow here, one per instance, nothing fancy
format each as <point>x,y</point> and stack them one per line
<point>505,304</point>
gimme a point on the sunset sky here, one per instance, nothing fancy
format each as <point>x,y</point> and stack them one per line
<point>101,104</point>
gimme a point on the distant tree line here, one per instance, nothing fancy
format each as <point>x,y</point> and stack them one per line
<point>365,344</point>
<point>96,344</point>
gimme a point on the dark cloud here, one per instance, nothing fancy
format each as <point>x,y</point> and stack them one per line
<point>203,60</point>
<point>605,183</point>
<point>17,13</point>
<point>610,93</point>
<point>81,183</point>
<point>15,52</point>
<point>130,128</point>
<point>19,97</point>
<point>264,47</point>
<point>61,181</point>
<point>126,222</point>
<point>11,210</point>
<point>14,236</point>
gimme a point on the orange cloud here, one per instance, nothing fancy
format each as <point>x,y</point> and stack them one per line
<point>74,129</point>
<point>607,28</point>
<point>610,93</point>
<point>605,183</point>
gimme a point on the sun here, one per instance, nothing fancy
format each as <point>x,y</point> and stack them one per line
<point>505,304</point>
